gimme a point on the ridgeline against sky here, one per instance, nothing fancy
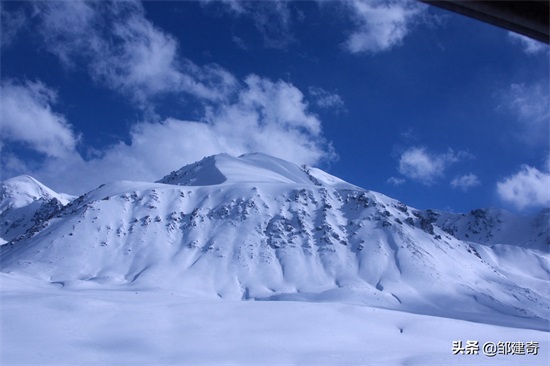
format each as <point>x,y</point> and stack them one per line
<point>430,107</point>
<point>258,227</point>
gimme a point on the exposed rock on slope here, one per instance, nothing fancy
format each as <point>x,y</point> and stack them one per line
<point>24,203</point>
<point>263,228</point>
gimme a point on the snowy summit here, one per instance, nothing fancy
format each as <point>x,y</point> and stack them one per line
<point>257,259</point>
<point>249,168</point>
<point>256,227</point>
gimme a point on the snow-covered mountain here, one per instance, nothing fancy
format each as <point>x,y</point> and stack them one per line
<point>257,227</point>
<point>25,202</point>
<point>497,226</point>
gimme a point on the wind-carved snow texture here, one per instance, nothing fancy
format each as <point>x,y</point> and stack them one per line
<point>257,227</point>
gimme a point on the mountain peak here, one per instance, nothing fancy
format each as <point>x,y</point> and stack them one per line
<point>24,201</point>
<point>246,168</point>
<point>22,190</point>
<point>258,227</point>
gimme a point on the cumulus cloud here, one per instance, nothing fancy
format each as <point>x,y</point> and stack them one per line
<point>465,182</point>
<point>529,45</point>
<point>529,187</point>
<point>276,115</point>
<point>126,52</point>
<point>420,165</point>
<point>270,117</point>
<point>27,117</point>
<point>325,99</point>
<point>277,103</point>
<point>381,24</point>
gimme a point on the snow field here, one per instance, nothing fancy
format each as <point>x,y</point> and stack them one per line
<point>114,327</point>
<point>155,273</point>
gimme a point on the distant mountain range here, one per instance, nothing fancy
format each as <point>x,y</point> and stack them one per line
<point>257,227</point>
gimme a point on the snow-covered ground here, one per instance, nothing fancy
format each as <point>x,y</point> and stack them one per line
<point>254,260</point>
<point>47,324</point>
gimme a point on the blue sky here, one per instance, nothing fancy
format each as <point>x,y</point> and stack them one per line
<point>432,108</point>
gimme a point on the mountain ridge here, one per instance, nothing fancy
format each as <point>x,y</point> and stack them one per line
<point>24,202</point>
<point>248,168</point>
<point>284,237</point>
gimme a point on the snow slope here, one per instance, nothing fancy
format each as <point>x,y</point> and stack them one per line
<point>257,227</point>
<point>248,168</point>
<point>155,273</point>
<point>43,324</point>
<point>497,226</point>
<point>24,202</point>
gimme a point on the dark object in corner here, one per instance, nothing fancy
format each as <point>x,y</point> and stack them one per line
<point>529,18</point>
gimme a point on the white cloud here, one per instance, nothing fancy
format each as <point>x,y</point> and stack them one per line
<point>26,117</point>
<point>530,104</point>
<point>126,52</point>
<point>529,187</point>
<point>279,104</point>
<point>381,24</point>
<point>67,28</point>
<point>395,181</point>
<point>11,165</point>
<point>11,22</point>
<point>465,182</point>
<point>270,117</point>
<point>325,99</point>
<point>529,45</point>
<point>418,164</point>
<point>272,19</point>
